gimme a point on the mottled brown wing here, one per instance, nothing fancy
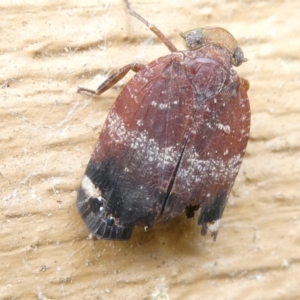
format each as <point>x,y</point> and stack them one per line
<point>130,172</point>
<point>216,143</point>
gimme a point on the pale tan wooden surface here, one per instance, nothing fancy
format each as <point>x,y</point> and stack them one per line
<point>48,131</point>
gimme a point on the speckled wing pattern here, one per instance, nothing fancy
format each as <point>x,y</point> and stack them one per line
<point>172,141</point>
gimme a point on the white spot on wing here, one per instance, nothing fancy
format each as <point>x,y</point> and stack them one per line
<point>139,123</point>
<point>215,169</point>
<point>214,227</point>
<point>162,106</point>
<point>225,128</point>
<point>89,188</point>
<point>116,127</point>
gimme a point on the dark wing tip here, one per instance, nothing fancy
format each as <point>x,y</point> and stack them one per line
<point>111,232</point>
<point>92,208</point>
<point>211,214</point>
<point>212,227</point>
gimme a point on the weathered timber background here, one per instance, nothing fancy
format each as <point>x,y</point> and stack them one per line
<point>48,132</point>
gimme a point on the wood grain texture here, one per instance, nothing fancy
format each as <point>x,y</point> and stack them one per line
<point>48,132</point>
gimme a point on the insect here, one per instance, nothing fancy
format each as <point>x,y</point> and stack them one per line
<point>173,141</point>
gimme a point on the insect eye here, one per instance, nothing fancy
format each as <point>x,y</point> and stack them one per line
<point>238,57</point>
<point>193,38</point>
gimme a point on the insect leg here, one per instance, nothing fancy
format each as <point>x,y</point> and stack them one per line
<point>153,28</point>
<point>113,79</point>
